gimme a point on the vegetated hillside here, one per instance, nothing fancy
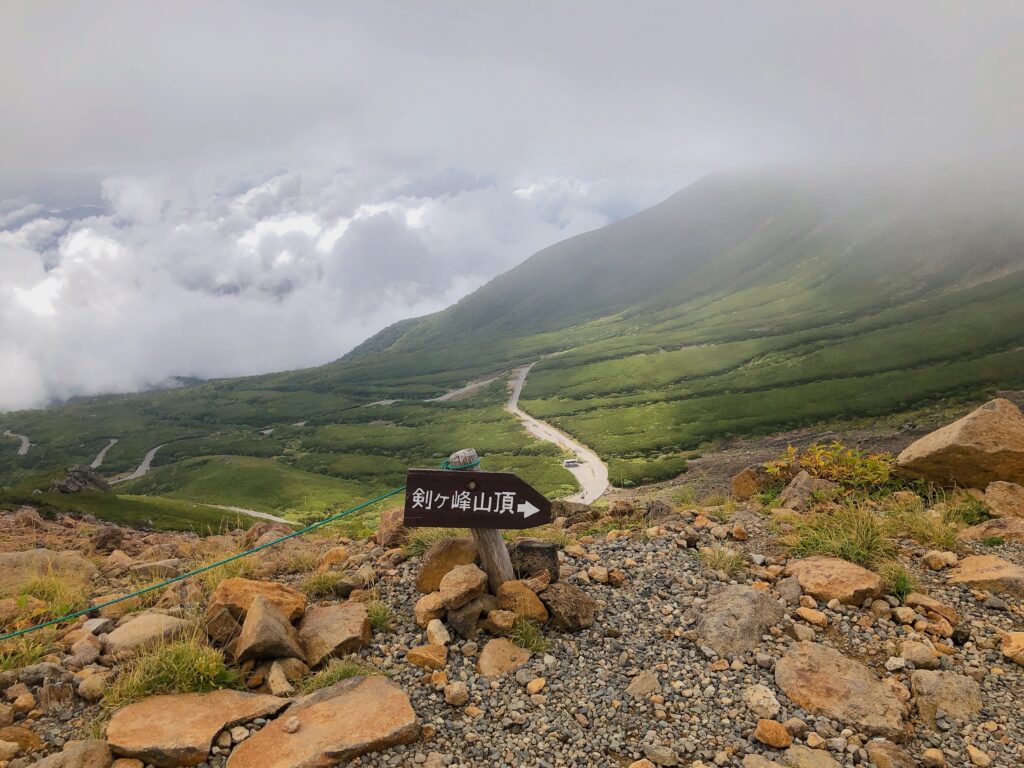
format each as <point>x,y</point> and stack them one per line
<point>744,304</point>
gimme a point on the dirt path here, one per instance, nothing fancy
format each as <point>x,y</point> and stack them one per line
<point>253,513</point>
<point>25,444</point>
<point>142,469</point>
<point>592,473</point>
<point>473,386</point>
<point>98,461</point>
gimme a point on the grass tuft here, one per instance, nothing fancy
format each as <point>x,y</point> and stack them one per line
<point>852,533</point>
<point>25,650</point>
<point>422,539</point>
<point>966,512</point>
<point>993,541</point>
<point>898,579</point>
<point>322,585</point>
<point>336,671</point>
<point>724,559</point>
<point>62,594</point>
<point>184,666</point>
<point>528,634</point>
<point>301,561</point>
<point>911,520</point>
<point>244,568</point>
<point>380,615</point>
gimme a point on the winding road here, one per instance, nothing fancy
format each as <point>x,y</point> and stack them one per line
<point>25,444</point>
<point>143,468</point>
<point>592,473</point>
<point>98,461</point>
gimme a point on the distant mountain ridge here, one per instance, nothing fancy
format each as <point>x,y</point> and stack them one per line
<point>744,304</point>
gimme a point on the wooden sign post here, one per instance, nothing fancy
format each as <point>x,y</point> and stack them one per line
<point>484,502</point>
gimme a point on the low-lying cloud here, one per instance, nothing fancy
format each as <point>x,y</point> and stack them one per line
<point>172,279</point>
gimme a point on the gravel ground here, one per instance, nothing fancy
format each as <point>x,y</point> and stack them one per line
<point>583,717</point>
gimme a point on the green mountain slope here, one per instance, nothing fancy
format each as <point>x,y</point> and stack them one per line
<point>744,304</point>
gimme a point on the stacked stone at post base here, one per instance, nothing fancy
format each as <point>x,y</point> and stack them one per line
<point>461,597</point>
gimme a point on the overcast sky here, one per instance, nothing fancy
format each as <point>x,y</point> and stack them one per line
<point>259,185</point>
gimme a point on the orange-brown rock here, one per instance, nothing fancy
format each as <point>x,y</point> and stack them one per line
<point>830,578</point>
<point>391,532</point>
<point>1012,646</point>
<point>178,730</point>
<point>236,594</point>
<point>18,567</point>
<point>332,558</point>
<point>984,446</point>
<point>516,597</point>
<point>441,558</point>
<point>958,696</point>
<point>376,714</point>
<point>26,740</point>
<point>748,483</point>
<point>427,608</point>
<point>827,683</point>
<point>1005,499</point>
<point>929,605</point>
<point>773,733</point>
<point>500,657</point>
<point>143,632</point>
<point>462,584</point>
<point>333,630</point>
<point>989,572</point>
<point>428,656</point>
<point>1005,528</point>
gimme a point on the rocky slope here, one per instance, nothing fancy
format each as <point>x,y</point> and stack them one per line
<point>649,631</point>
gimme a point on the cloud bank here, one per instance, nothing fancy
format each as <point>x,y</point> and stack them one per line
<point>169,279</point>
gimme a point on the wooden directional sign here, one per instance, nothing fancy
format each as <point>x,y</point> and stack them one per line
<point>437,498</point>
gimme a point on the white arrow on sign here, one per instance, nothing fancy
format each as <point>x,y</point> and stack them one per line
<point>527,509</point>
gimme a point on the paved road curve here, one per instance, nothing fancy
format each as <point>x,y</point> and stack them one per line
<point>592,473</point>
<point>25,444</point>
<point>98,461</point>
<point>142,469</point>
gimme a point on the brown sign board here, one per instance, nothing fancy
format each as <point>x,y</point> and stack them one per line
<point>438,498</point>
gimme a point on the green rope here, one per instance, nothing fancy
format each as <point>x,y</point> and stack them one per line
<point>203,569</point>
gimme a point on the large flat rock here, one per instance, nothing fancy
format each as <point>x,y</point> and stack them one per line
<point>333,630</point>
<point>354,717</point>
<point>984,446</point>
<point>735,617</point>
<point>831,578</point>
<point>178,730</point>
<point>825,682</point>
<point>989,572</point>
<point>958,696</point>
